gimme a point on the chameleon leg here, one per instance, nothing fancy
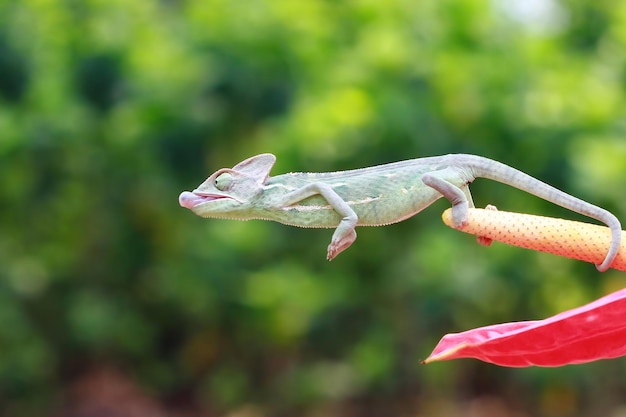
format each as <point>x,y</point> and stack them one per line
<point>344,234</point>
<point>457,196</point>
<point>468,195</point>
<point>460,197</point>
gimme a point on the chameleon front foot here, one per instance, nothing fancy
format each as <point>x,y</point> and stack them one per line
<point>339,244</point>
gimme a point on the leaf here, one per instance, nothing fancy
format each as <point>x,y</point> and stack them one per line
<point>594,331</point>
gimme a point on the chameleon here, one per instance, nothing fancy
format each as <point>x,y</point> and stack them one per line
<point>372,196</point>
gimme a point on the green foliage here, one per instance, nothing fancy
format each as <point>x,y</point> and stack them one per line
<point>109,109</point>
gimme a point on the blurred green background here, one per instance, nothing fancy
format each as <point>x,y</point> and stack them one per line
<point>114,301</point>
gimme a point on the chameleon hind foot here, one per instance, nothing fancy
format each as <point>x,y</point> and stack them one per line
<point>483,240</point>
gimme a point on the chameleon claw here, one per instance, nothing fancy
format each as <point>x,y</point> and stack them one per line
<point>333,251</point>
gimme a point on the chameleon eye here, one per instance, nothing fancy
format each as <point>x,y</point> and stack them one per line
<point>223,182</point>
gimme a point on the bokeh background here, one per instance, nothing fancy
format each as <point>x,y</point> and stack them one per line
<point>114,301</point>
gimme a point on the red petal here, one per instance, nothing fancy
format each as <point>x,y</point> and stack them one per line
<point>588,333</point>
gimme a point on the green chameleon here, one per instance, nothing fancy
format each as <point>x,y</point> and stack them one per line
<point>373,196</point>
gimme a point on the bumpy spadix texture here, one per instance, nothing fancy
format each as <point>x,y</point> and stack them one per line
<point>576,240</point>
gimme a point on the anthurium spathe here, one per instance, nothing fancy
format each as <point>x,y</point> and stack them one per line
<point>594,331</point>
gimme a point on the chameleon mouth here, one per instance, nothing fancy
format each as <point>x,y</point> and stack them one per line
<point>190,200</point>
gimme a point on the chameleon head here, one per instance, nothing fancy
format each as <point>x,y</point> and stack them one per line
<point>223,194</point>
<point>229,192</point>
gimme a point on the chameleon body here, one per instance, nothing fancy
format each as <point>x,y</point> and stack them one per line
<point>373,196</point>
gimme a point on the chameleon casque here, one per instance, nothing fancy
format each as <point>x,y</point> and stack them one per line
<point>373,196</point>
